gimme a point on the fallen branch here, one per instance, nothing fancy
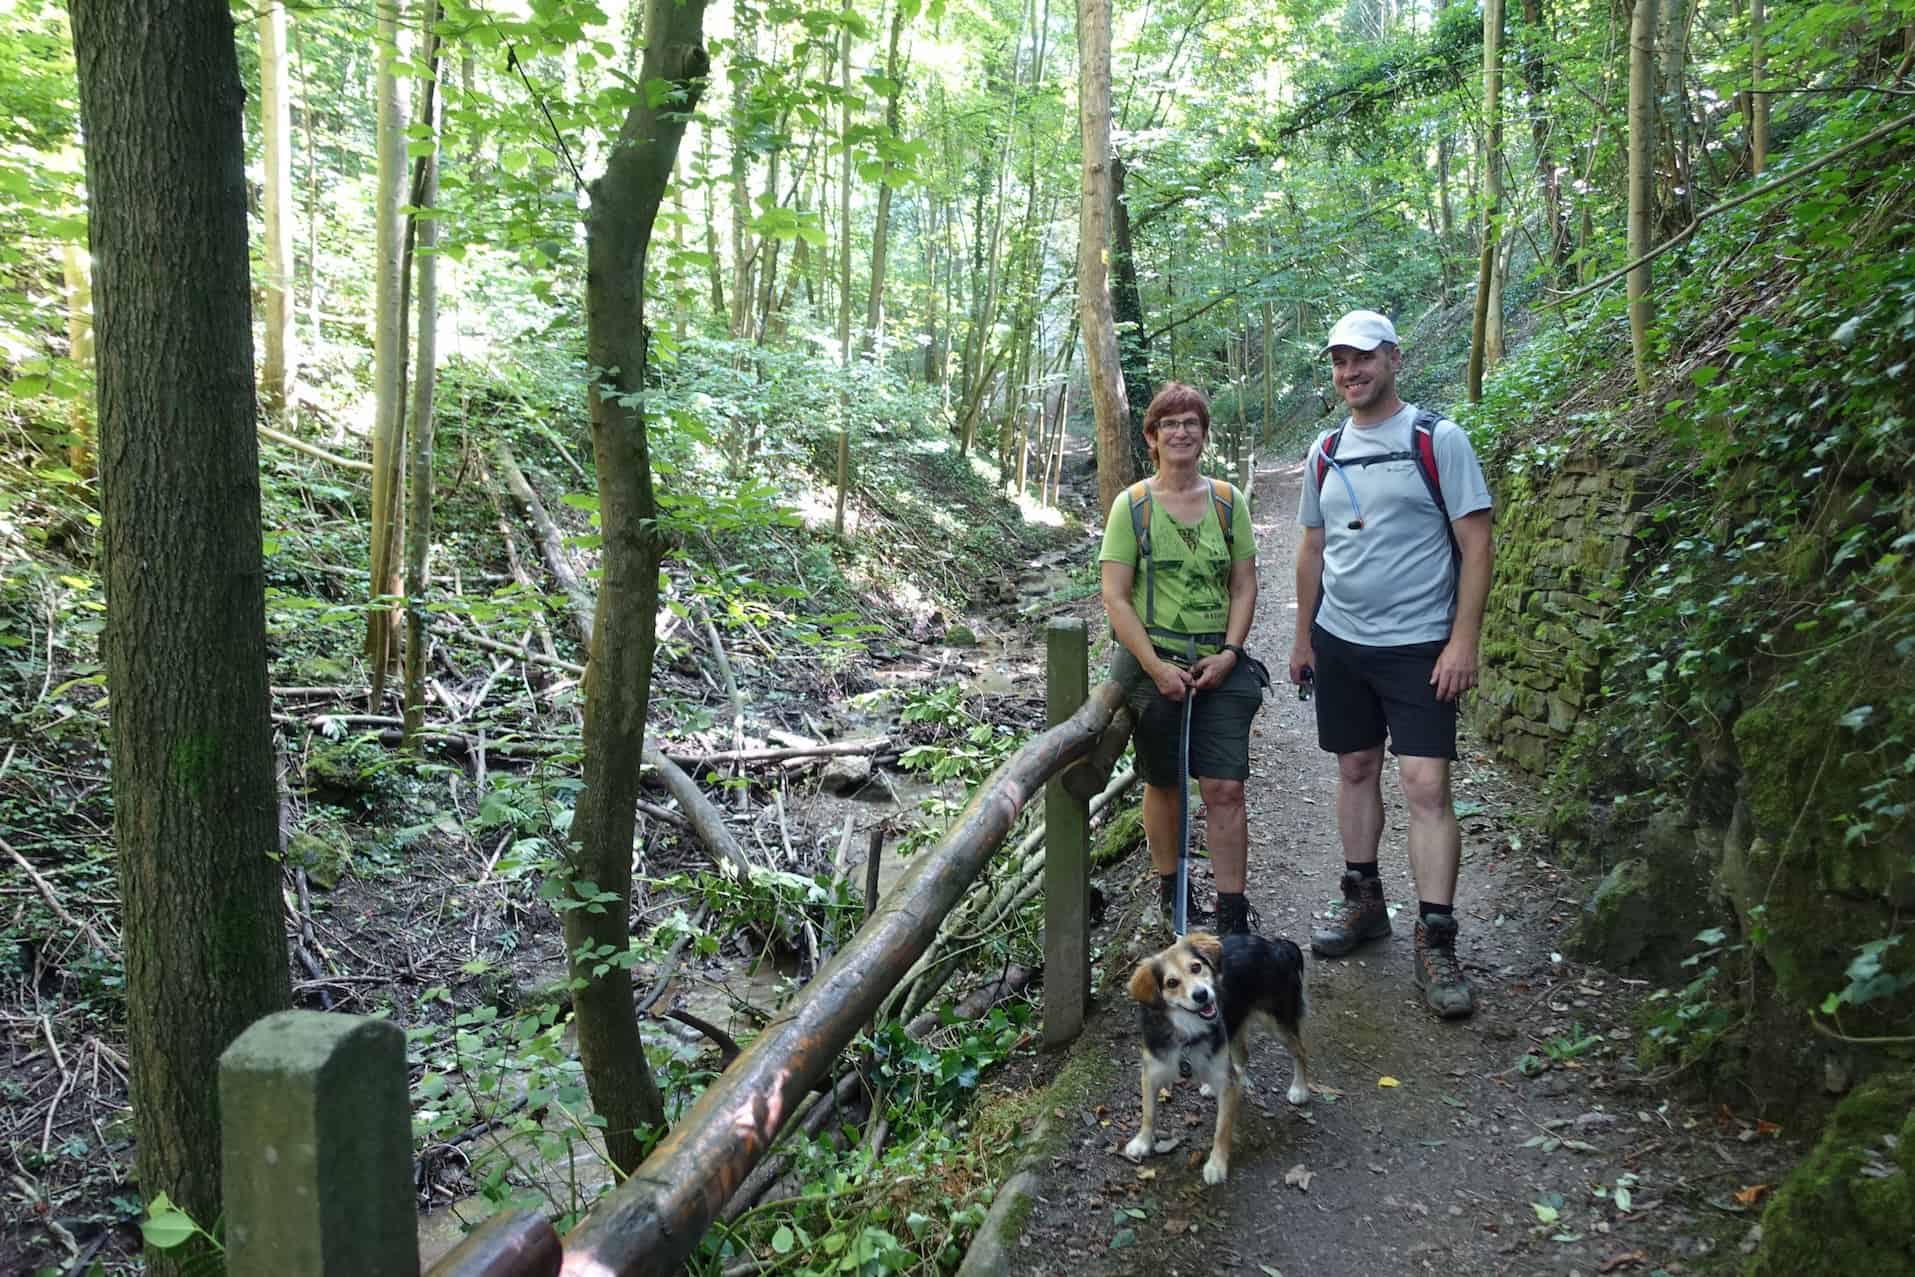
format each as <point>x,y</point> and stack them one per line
<point>313,450</point>
<point>87,933</point>
<point>551,540</point>
<point>707,822</point>
<point>726,1044</point>
<point>771,754</point>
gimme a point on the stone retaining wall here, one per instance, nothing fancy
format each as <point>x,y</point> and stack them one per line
<point>1565,529</point>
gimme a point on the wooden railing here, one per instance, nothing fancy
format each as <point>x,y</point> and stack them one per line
<point>314,1108</point>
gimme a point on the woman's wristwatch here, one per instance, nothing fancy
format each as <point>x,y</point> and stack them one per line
<point>1238,648</point>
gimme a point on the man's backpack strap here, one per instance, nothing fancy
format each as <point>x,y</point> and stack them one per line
<point>1325,452</point>
<point>1423,443</point>
<point>1139,498</point>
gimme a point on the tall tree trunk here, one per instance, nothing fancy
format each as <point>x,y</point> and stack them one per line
<point>388,349</point>
<point>714,268</point>
<point>746,43</point>
<point>425,374</point>
<point>1539,78</point>
<point>1127,310</point>
<point>1486,331</point>
<point>1642,174</point>
<point>618,679</point>
<point>844,271</point>
<point>1758,100</point>
<point>881,231</point>
<point>79,344</point>
<point>1676,203</point>
<point>312,186</point>
<point>276,128</point>
<point>1101,359</point>
<point>1269,374</point>
<point>195,813</point>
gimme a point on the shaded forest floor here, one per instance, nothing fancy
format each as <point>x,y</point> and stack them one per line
<point>1522,1140</point>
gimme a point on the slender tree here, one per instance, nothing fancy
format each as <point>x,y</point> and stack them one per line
<point>1486,331</point>
<point>276,204</point>
<point>195,814</point>
<point>1642,172</point>
<point>881,227</point>
<point>425,228</point>
<point>1758,100</point>
<point>618,679</point>
<point>388,347</point>
<point>844,264</point>
<point>1101,363</point>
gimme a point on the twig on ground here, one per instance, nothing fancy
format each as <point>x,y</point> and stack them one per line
<point>47,893</point>
<point>66,1084</point>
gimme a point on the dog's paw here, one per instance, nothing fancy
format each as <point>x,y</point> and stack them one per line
<point>1139,1148</point>
<point>1298,1094</point>
<point>1216,1170</point>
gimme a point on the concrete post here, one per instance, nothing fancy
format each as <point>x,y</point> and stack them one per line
<point>317,1148</point>
<point>1066,848</point>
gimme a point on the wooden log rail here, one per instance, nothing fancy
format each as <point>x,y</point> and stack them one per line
<point>350,1071</point>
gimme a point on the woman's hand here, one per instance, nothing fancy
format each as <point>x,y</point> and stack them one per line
<point>1171,680</point>
<point>1211,671</point>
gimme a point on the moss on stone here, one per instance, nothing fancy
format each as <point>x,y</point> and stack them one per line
<point>1123,831</point>
<point>1849,1209</point>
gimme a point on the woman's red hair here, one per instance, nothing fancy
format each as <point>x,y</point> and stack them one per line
<point>1174,400</point>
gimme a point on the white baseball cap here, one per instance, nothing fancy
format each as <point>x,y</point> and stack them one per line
<point>1363,329</point>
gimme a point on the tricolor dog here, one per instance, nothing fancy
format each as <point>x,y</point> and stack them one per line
<point>1195,1002</point>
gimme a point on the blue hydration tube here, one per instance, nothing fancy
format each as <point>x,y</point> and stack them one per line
<point>1356,507</point>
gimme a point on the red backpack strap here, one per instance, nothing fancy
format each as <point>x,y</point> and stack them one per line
<point>1423,443</point>
<point>1326,450</point>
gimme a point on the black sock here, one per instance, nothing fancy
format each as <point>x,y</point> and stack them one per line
<point>1424,909</point>
<point>1365,870</point>
<point>1167,889</point>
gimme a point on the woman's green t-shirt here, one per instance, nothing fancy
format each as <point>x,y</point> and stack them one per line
<point>1191,564</point>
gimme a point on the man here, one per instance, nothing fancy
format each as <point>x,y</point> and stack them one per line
<point>1391,583</point>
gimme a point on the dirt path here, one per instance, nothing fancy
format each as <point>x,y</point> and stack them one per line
<point>1465,1163</point>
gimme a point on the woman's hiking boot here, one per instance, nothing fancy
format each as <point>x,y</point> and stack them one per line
<point>1438,973</point>
<point>1234,914</point>
<point>1361,918</point>
<point>1195,919</point>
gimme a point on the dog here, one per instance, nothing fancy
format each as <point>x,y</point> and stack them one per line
<point>1196,1001</point>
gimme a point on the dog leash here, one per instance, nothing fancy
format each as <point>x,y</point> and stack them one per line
<point>1180,908</point>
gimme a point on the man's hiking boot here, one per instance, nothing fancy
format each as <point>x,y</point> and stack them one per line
<point>1361,918</point>
<point>1234,914</point>
<point>1438,973</point>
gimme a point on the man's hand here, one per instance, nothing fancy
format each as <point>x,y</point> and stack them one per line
<point>1455,671</point>
<point>1211,671</point>
<point>1171,680</point>
<point>1303,656</point>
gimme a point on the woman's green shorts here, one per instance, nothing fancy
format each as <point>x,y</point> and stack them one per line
<point>1219,723</point>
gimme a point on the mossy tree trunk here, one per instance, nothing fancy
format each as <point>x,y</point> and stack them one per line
<point>1102,362</point>
<point>618,679</point>
<point>194,809</point>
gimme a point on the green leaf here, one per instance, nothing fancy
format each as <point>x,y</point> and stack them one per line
<point>1544,1213</point>
<point>1125,1237</point>
<point>783,1240</point>
<point>165,1225</point>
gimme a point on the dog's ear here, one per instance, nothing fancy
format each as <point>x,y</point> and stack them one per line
<point>1208,946</point>
<point>1143,984</point>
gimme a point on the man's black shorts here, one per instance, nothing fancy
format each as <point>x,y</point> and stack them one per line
<point>1219,723</point>
<point>1365,693</point>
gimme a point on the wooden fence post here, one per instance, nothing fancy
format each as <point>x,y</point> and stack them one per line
<point>317,1148</point>
<point>1066,848</point>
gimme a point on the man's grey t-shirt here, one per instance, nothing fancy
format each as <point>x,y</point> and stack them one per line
<point>1394,580</point>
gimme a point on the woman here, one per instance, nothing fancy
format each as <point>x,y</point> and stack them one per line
<point>1180,598</point>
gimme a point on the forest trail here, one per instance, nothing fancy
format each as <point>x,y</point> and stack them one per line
<point>1428,1148</point>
